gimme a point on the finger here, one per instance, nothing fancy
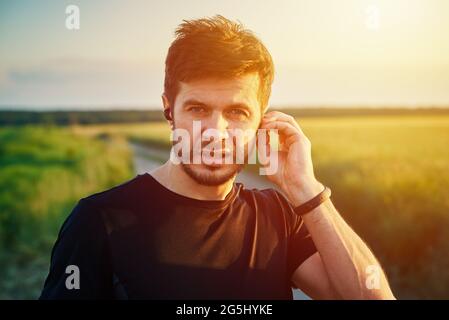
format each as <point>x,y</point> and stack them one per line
<point>288,133</point>
<point>289,141</point>
<point>280,116</point>
<point>286,129</point>
<point>267,137</point>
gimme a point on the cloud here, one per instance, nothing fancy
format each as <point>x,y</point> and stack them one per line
<point>83,81</point>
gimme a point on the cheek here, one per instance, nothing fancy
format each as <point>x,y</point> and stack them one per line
<point>243,140</point>
<point>248,124</point>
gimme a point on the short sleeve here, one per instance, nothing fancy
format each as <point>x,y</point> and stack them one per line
<point>301,246</point>
<point>82,242</point>
<point>300,242</point>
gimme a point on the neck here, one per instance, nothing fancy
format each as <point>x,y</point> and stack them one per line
<point>174,178</point>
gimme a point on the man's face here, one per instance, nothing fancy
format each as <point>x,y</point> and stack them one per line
<point>223,105</point>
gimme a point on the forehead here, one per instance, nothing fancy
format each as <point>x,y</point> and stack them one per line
<point>243,89</point>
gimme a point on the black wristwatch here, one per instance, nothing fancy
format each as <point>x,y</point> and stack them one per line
<point>308,206</point>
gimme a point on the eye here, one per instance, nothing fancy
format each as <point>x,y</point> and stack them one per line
<point>238,112</point>
<point>197,109</point>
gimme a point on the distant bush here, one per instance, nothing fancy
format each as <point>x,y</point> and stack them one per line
<point>71,117</point>
<point>62,118</point>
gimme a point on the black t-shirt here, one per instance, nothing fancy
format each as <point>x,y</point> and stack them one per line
<point>140,240</point>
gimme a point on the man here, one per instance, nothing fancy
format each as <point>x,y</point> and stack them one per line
<point>186,230</point>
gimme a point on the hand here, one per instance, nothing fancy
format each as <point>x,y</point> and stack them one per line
<point>295,176</point>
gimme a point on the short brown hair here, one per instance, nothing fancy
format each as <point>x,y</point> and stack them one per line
<point>216,47</point>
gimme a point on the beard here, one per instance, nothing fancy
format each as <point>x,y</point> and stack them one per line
<point>212,175</point>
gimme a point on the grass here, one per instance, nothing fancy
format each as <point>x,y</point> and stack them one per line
<point>389,178</point>
<point>44,171</point>
<point>388,175</point>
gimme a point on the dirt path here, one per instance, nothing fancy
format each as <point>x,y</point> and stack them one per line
<point>147,159</point>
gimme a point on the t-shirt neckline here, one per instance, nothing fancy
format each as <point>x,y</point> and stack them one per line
<point>196,202</point>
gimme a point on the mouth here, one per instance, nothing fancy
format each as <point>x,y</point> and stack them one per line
<point>217,150</point>
<point>215,157</point>
<point>212,152</point>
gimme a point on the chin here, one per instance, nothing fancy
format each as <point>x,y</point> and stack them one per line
<point>212,175</point>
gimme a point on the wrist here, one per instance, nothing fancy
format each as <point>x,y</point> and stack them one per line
<point>299,194</point>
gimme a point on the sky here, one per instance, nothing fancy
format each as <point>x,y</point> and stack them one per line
<point>326,53</point>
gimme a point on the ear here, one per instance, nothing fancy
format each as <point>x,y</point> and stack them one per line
<point>167,110</point>
<point>261,119</point>
<point>267,134</point>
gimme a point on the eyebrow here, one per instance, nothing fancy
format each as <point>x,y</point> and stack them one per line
<point>193,101</point>
<point>199,103</point>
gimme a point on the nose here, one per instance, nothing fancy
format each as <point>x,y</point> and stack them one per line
<point>219,124</point>
<point>215,130</point>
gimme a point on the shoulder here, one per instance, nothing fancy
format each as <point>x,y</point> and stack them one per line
<point>125,192</point>
<point>272,204</point>
<point>90,212</point>
<point>117,206</point>
<point>269,196</point>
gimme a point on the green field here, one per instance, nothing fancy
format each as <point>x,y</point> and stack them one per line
<point>388,175</point>
<point>44,172</point>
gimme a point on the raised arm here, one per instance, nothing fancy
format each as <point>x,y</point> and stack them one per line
<point>344,266</point>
